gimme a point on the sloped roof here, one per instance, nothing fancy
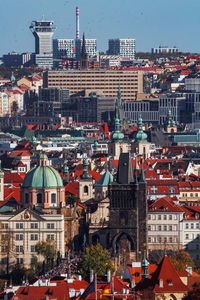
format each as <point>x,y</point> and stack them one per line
<point>105,179</point>
<point>166,272</point>
<point>38,292</point>
<point>72,188</point>
<point>165,204</point>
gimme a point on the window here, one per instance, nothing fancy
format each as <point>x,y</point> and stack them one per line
<point>197,225</point>
<point>26,198</point>
<point>34,225</point>
<point>39,198</point>
<point>170,239</point>
<point>170,228</point>
<point>192,225</point>
<point>159,217</point>
<point>50,225</point>
<point>186,225</point>
<point>19,225</point>
<point>85,190</point>
<point>19,237</point>
<point>159,228</point>
<point>149,227</point>
<point>154,189</point>
<point>20,249</point>
<point>165,217</point>
<point>149,239</point>
<point>34,237</point>
<point>32,248</point>
<point>20,261</point>
<point>50,236</point>
<point>165,227</point>
<point>53,198</point>
<point>165,240</point>
<point>5,226</point>
<point>196,194</point>
<point>149,217</point>
<point>187,236</point>
<point>170,217</point>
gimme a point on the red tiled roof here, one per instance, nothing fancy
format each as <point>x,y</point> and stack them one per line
<point>165,204</point>
<point>170,278</point>
<point>12,193</point>
<point>13,178</point>
<point>37,292</point>
<point>167,273</point>
<point>138,271</point>
<point>72,188</point>
<point>95,175</point>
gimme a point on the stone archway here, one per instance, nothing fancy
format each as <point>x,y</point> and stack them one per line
<point>173,297</point>
<point>122,241</point>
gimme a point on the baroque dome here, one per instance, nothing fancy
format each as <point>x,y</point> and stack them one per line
<point>42,176</point>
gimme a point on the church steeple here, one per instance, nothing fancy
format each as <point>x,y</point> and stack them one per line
<point>84,56</point>
<point>85,174</point>
<point>117,135</point>
<point>145,267</point>
<point>141,136</point>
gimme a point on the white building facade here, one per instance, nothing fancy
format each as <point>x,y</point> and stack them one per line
<point>123,47</point>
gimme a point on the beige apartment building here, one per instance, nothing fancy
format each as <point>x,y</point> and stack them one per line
<point>131,81</point>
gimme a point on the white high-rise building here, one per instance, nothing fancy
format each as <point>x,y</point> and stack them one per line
<point>90,46</point>
<point>43,31</point>
<point>123,47</point>
<point>63,48</point>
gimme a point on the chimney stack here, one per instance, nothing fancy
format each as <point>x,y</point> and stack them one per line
<point>77,23</point>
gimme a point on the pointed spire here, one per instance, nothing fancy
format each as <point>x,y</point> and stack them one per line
<point>141,136</point>
<point>65,171</point>
<point>84,56</point>
<point>145,267</point>
<point>83,50</point>
<point>85,174</point>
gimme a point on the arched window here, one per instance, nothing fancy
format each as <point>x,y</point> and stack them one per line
<point>85,189</point>
<point>53,198</point>
<point>26,198</point>
<point>39,198</point>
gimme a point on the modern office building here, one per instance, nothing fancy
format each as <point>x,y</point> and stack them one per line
<point>93,108</point>
<point>164,49</point>
<point>123,47</point>
<point>14,59</point>
<point>63,48</point>
<point>43,31</point>
<point>104,82</point>
<point>90,46</point>
<point>156,111</point>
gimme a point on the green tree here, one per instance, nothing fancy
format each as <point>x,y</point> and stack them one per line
<point>182,260</point>
<point>48,250</point>
<point>97,259</point>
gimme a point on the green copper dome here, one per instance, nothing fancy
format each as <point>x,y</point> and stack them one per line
<point>42,177</point>
<point>117,134</point>
<point>141,136</point>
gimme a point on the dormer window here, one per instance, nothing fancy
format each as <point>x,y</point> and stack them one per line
<point>170,283</point>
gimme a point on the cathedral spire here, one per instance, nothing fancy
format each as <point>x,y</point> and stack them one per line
<point>84,56</point>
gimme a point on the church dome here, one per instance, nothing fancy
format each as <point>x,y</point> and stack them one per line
<point>42,176</point>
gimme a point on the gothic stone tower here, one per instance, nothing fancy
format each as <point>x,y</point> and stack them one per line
<point>127,226</point>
